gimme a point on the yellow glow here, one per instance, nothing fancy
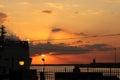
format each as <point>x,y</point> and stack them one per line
<point>43,55</point>
<point>21,63</point>
<point>50,60</point>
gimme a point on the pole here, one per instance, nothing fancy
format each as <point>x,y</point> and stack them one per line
<point>43,60</point>
<point>42,74</point>
<point>44,65</point>
<point>115,55</point>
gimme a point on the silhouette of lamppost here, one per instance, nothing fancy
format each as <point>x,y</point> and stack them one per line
<point>43,59</point>
<point>21,64</point>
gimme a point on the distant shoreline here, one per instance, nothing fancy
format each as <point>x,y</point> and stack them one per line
<point>56,64</point>
<point>92,65</point>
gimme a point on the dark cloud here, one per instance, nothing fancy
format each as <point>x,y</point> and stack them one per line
<point>56,30</point>
<point>107,35</point>
<point>58,49</point>
<point>76,12</point>
<point>79,41</point>
<point>100,47</point>
<point>68,32</point>
<point>3,17</point>
<point>47,11</point>
<point>82,34</point>
<point>111,35</point>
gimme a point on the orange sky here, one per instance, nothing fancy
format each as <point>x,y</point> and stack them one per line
<point>92,24</point>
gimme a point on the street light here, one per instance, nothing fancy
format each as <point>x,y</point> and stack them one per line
<point>43,59</point>
<point>21,63</point>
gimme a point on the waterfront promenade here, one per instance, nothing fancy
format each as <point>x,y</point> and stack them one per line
<point>107,69</point>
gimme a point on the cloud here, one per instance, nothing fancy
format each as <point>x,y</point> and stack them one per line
<point>3,17</point>
<point>113,0</point>
<point>107,35</point>
<point>56,30</point>
<point>47,11</point>
<point>99,47</point>
<point>68,32</point>
<point>81,34</point>
<point>54,5</point>
<point>78,41</point>
<point>24,3</point>
<point>58,49</point>
<point>90,12</point>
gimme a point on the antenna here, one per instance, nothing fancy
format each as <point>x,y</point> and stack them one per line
<point>2,37</point>
<point>115,55</point>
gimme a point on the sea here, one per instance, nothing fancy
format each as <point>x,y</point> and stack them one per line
<point>51,69</point>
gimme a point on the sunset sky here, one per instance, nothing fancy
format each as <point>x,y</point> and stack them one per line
<point>66,31</point>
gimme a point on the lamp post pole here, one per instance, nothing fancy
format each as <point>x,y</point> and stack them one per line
<point>43,59</point>
<point>42,75</point>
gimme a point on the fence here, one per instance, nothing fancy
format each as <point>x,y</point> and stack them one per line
<point>106,69</point>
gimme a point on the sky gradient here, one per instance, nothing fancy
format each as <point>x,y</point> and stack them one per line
<point>67,31</point>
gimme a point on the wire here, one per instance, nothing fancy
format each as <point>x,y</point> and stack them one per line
<point>95,36</point>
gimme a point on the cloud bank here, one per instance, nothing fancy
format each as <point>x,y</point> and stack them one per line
<point>60,49</point>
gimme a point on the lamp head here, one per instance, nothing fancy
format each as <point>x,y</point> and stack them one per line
<point>43,57</point>
<point>21,63</point>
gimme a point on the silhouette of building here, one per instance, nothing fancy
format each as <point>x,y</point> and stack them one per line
<point>12,52</point>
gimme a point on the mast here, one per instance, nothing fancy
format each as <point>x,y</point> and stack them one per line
<point>2,34</point>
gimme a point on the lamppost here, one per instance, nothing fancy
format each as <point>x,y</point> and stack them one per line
<point>21,72</point>
<point>43,59</point>
<point>42,74</point>
<point>21,64</point>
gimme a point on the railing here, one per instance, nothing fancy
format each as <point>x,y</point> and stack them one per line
<point>51,69</point>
